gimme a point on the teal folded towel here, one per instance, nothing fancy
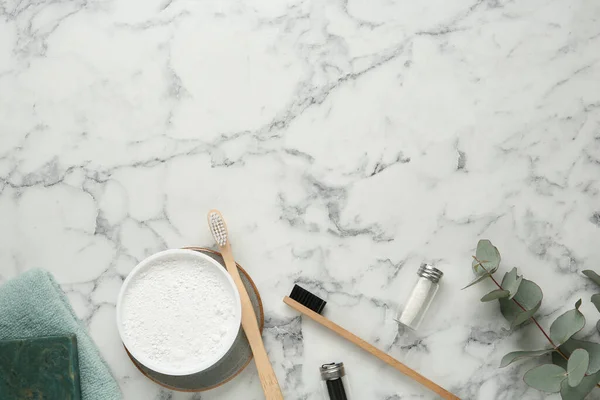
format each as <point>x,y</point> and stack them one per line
<point>32,305</point>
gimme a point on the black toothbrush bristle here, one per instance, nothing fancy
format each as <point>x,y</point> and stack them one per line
<point>307,299</point>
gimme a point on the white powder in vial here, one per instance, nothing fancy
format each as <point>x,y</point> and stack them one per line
<point>418,303</point>
<point>177,311</point>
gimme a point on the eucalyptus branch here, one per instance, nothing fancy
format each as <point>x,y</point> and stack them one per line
<point>480,263</point>
<point>532,318</point>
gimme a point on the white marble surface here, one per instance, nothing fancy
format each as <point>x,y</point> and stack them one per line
<point>344,141</point>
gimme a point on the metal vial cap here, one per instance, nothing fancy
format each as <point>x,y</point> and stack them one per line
<point>332,371</point>
<point>430,272</point>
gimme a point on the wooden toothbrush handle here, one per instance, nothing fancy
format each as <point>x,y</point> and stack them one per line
<point>370,348</point>
<point>266,374</point>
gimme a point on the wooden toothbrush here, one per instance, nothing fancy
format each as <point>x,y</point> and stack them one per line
<point>267,376</point>
<point>310,305</point>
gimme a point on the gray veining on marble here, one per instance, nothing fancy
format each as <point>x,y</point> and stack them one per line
<point>345,142</point>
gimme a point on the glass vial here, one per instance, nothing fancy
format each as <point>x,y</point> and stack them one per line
<point>421,296</point>
<point>335,384</point>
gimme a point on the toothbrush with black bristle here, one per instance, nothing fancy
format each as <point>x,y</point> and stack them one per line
<point>311,305</point>
<point>266,374</point>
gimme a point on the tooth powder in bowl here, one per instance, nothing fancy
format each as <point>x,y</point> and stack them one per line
<point>178,312</point>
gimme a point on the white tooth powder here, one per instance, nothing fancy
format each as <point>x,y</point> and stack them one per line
<point>177,311</point>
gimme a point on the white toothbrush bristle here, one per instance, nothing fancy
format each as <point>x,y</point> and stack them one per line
<point>217,227</point>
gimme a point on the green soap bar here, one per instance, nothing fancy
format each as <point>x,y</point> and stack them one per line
<point>45,368</point>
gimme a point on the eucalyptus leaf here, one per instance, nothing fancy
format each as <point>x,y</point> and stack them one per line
<point>524,316</point>
<point>529,296</point>
<point>577,366</point>
<point>517,355</point>
<point>593,276</point>
<point>546,377</point>
<point>488,255</point>
<point>495,295</point>
<point>571,345</point>
<point>511,282</point>
<point>513,290</point>
<point>566,326</point>
<point>579,392</point>
<point>596,300</point>
<point>477,280</point>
